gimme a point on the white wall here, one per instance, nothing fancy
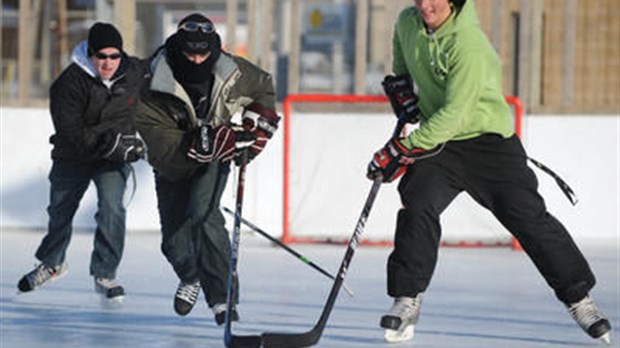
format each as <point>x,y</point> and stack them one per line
<point>584,150</point>
<point>24,189</point>
<point>330,154</point>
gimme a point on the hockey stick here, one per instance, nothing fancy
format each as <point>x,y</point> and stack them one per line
<point>306,339</point>
<point>284,340</point>
<point>309,338</point>
<point>231,340</point>
<point>289,249</point>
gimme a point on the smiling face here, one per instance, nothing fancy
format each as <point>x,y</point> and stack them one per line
<point>106,61</point>
<point>434,12</point>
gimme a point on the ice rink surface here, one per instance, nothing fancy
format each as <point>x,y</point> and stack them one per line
<point>478,298</point>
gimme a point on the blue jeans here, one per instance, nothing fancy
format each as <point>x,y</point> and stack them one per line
<point>194,237</point>
<point>69,181</point>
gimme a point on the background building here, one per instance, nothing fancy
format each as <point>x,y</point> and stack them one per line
<point>559,56</point>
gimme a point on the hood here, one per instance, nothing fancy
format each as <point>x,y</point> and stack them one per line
<point>462,20</point>
<point>80,57</point>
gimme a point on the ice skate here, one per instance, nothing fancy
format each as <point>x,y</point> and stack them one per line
<point>399,322</point>
<point>219,311</point>
<point>591,320</point>
<point>185,297</point>
<point>40,276</point>
<point>112,294</point>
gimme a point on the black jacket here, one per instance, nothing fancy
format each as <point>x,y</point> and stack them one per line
<point>86,113</point>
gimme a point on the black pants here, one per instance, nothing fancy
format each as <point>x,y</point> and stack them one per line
<point>194,238</point>
<point>493,171</point>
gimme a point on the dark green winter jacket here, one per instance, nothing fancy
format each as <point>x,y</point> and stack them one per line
<point>167,120</point>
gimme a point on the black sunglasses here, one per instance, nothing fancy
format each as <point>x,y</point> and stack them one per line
<point>102,56</point>
<point>206,27</point>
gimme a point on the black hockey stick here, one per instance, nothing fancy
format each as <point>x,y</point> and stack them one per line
<point>568,192</point>
<point>231,340</point>
<point>289,249</point>
<point>309,338</point>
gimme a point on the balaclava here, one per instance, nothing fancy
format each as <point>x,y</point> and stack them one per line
<point>198,36</point>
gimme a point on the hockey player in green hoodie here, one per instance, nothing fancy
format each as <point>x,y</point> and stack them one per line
<point>465,142</point>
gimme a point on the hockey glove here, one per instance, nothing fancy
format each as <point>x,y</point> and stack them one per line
<point>403,99</point>
<point>393,159</point>
<point>262,122</point>
<point>125,148</point>
<point>213,144</point>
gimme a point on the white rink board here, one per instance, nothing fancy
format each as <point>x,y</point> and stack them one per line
<point>584,150</point>
<point>329,155</point>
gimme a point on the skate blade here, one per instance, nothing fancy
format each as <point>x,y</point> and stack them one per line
<point>606,338</point>
<point>394,336</point>
<point>111,303</point>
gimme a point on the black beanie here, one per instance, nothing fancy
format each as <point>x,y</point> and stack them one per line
<point>197,41</point>
<point>103,35</point>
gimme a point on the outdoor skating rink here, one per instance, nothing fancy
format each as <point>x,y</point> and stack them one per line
<point>478,298</point>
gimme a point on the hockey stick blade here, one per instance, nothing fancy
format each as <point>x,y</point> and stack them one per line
<point>244,341</point>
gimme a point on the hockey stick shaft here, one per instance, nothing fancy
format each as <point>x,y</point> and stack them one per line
<point>231,340</point>
<point>289,249</point>
<point>276,340</point>
<point>234,252</point>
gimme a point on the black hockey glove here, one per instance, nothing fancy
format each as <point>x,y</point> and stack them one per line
<point>213,144</point>
<point>221,143</point>
<point>125,148</point>
<point>262,122</point>
<point>403,99</point>
<point>393,159</point>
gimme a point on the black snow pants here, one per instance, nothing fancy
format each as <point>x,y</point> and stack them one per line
<point>494,172</point>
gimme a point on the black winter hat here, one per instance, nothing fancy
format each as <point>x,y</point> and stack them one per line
<point>196,34</point>
<point>103,35</point>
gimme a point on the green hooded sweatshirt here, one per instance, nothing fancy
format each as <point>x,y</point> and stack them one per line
<point>458,75</point>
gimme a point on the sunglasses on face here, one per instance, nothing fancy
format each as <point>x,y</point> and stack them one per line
<point>102,56</point>
<point>206,28</point>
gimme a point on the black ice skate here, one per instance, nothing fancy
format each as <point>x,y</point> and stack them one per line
<point>219,311</point>
<point>40,276</point>
<point>400,320</point>
<point>111,293</point>
<point>591,320</point>
<point>185,297</point>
